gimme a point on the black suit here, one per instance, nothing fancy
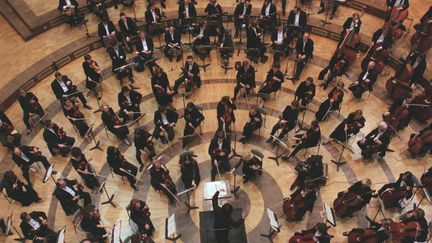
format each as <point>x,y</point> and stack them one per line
<point>289,115</point>
<point>367,146</point>
<point>129,29</point>
<point>238,11</point>
<point>141,141</point>
<point>409,182</point>
<point>302,94</point>
<point>43,231</point>
<point>182,11</point>
<point>302,19</point>
<point>102,31</point>
<point>116,162</point>
<point>59,92</point>
<point>149,16</point>
<point>174,39</point>
<point>132,106</point>
<point>245,78</point>
<point>254,41</point>
<point>107,118</point>
<point>222,160</point>
<point>8,139</point>
<point>195,79</point>
<point>28,107</point>
<point>171,117</point>
<point>63,3</point>
<point>362,85</point>
<point>275,85</point>
<point>118,57</point>
<point>391,3</point>
<point>53,140</point>
<point>222,221</point>
<point>161,95</point>
<point>221,110</point>
<point>93,78</point>
<point>144,58</point>
<point>32,158</point>
<point>66,199</point>
<point>194,118</point>
<point>283,46</point>
<point>303,49</point>
<point>268,21</point>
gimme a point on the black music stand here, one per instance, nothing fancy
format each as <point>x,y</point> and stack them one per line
<point>102,187</point>
<point>226,61</point>
<point>157,27</point>
<point>187,203</point>
<point>325,20</point>
<point>170,232</point>
<point>9,223</point>
<point>339,162</point>
<point>96,142</point>
<point>235,187</point>
<point>277,155</point>
<point>274,226</point>
<point>202,51</point>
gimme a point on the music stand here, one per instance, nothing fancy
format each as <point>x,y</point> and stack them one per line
<point>157,27</point>
<point>102,187</point>
<point>9,225</point>
<point>202,51</point>
<point>329,215</point>
<point>48,174</point>
<point>325,20</point>
<point>339,162</point>
<point>277,155</point>
<point>116,233</point>
<point>96,142</point>
<point>170,229</point>
<point>61,235</point>
<point>300,125</point>
<point>187,204</point>
<point>225,65</point>
<point>235,187</point>
<point>274,225</point>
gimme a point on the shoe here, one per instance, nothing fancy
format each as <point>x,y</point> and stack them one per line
<point>269,140</point>
<point>54,172</point>
<point>141,168</point>
<point>29,131</point>
<point>86,106</point>
<point>320,11</point>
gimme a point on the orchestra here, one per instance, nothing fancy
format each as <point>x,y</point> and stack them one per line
<point>254,42</point>
<point>365,81</point>
<point>161,87</point>
<point>411,227</point>
<point>299,202</point>
<point>305,92</point>
<point>337,67</point>
<point>349,127</point>
<point>18,190</point>
<point>186,11</point>
<point>280,42</point>
<point>128,29</point>
<point>118,56</point>
<point>76,117</point>
<point>333,102</point>
<point>173,43</point>
<point>63,87</point>
<point>421,142</point>
<point>273,81</point>
<point>91,223</point>
<point>377,232</point>
<point>268,15</point>
<point>309,173</point>
<point>34,226</point>
<point>318,233</point>
<point>140,215</point>
<point>297,21</point>
<point>252,166</point>
<point>242,13</point>
<point>190,76</point>
<point>145,47</point>
<point>162,181</point>
<point>394,194</point>
<point>107,31</point>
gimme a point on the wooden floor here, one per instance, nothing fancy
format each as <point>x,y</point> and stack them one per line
<point>266,192</point>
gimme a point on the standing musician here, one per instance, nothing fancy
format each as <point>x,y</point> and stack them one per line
<point>242,13</point>
<point>193,119</point>
<point>252,167</point>
<point>190,76</point>
<point>114,125</point>
<point>376,232</point>
<point>287,122</point>
<point>165,119</point>
<point>62,86</point>
<point>24,156</point>
<point>317,234</point>
<point>57,139</point>
<point>128,29</point>
<point>255,41</point>
<point>93,75</point>
<point>365,80</point>
<point>396,6</point>
<point>421,142</point>
<point>268,16</point>
<point>245,79</point>
<point>280,42</point>
<point>225,114</point>
<point>353,199</point>
<point>379,50</point>
<point>83,168</point>
<point>304,51</point>
<point>140,215</point>
<point>301,201</point>
<point>349,127</point>
<point>99,8</point>
<point>273,82</point>
<point>326,5</point>
<point>143,141</point>
<point>297,21</point>
<point>91,223</point>
<point>161,87</point>
<point>214,15</point>
<point>376,141</point>
<point>118,57</point>
<point>186,11</point>
<point>69,193</point>
<point>219,150</point>
<point>351,24</point>
<point>393,194</point>
<point>153,16</point>
<point>129,102</point>
<point>338,66</point>
<point>76,117</point>
<point>254,123</point>
<point>161,181</point>
<point>333,102</point>
<point>29,103</point>
<point>17,190</point>
<point>172,43</point>
<point>121,166</point>
<point>189,168</point>
<point>34,226</point>
<point>309,173</point>
<point>398,116</point>
<point>145,47</point>
<point>305,92</point>
<point>306,140</point>
<point>107,31</point>
<point>202,38</point>
<point>70,9</point>
<point>420,231</point>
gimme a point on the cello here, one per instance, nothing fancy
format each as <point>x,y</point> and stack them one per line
<point>417,142</point>
<point>396,19</point>
<point>396,117</point>
<point>296,204</point>
<point>398,85</point>
<point>422,39</point>
<point>390,198</point>
<point>302,238</point>
<point>400,230</point>
<point>422,111</point>
<point>426,180</point>
<point>363,236</point>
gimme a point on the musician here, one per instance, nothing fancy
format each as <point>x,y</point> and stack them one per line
<point>161,88</point>
<point>83,168</point>
<point>351,24</point>
<point>62,86</point>
<point>34,226</point>
<point>362,190</point>
<point>365,81</point>
<point>118,57</point>
<point>398,116</point>
<point>376,141</point>
<point>143,142</point>
<point>193,119</point>
<point>304,51</point>
<point>380,232</point>
<point>287,122</point>
<point>29,103</point>
<point>190,76</point>
<point>225,114</point>
<point>382,39</point>
<point>189,168</point>
<point>153,14</point>
<point>93,75</point>
<point>419,67</point>
<point>214,15</point>
<point>121,166</point>
<point>268,15</point>
<point>24,156</point>
<point>242,13</point>
<point>309,173</point>
<point>305,92</point>
<point>161,181</point>
<point>106,29</point>
<point>297,21</point>
<point>91,223</point>
<point>129,102</point>
<point>145,47</point>
<point>404,183</point>
<point>172,43</point>
<point>333,102</point>
<point>306,140</point>
<point>187,10</point>
<point>17,190</point>
<point>222,219</point>
<point>273,82</point>
<point>280,42</point>
<point>325,5</point>
<point>245,79</point>
<point>226,42</point>
<point>140,215</point>
<point>318,233</point>
<point>57,139</point>
<point>76,117</point>
<point>165,119</point>
<point>114,125</point>
<point>70,9</point>
<point>98,7</point>
<point>349,127</point>
<point>399,4</point>
<point>424,141</point>
<point>254,123</point>
<point>252,166</point>
<point>302,201</point>
<point>416,215</point>
<point>219,150</point>
<point>128,29</point>
<point>254,41</point>
<point>338,66</point>
<point>9,137</point>
<point>69,193</point>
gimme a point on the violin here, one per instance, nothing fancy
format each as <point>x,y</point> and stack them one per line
<point>366,236</point>
<point>422,39</point>
<point>336,96</point>
<point>61,133</point>
<point>390,198</point>
<point>400,230</point>
<point>302,238</point>
<point>417,142</point>
<point>398,115</point>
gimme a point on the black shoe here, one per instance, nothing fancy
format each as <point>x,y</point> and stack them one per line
<point>86,106</point>
<point>320,11</point>
<point>141,168</point>
<point>134,187</point>
<point>269,140</point>
<point>54,172</point>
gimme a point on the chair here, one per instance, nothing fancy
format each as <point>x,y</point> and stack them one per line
<point>253,54</point>
<point>258,154</point>
<point>333,110</point>
<point>262,111</point>
<point>112,175</point>
<point>76,220</point>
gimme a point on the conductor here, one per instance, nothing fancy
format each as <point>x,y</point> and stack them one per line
<point>222,219</point>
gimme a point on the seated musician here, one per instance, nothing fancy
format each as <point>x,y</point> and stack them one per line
<point>242,12</point>
<point>107,31</point>
<point>193,119</point>
<point>24,156</point>
<point>273,82</point>
<point>280,42</point>
<point>287,122</point>
<point>376,141</point>
<point>398,4</point>
<point>254,41</point>
<point>161,181</point>
<point>70,9</point>
<point>165,119</point>
<point>190,76</point>
<point>99,8</point>
<point>226,42</point>
<point>254,123</point>
<point>297,21</point>
<point>69,193</point>
<point>202,38</point>
<point>404,185</point>
<point>349,127</point>
<point>398,115</point>
<point>153,16</point>
<point>57,139</point>
<point>93,75</point>
<point>83,168</point>
<point>382,39</point>
<point>121,166</point>
<point>34,226</point>
<point>225,114</point>
<point>129,102</point>
<point>421,142</point>
<point>143,142</point>
<point>114,125</point>
<point>214,16</point>
<point>118,59</point>
<point>309,173</point>
<point>91,223</point>
<point>173,43</point>
<point>140,215</point>
<point>305,92</point>
<point>62,86</point>
<point>362,192</point>
<point>189,168</point>
<point>76,117</point>
<point>245,79</point>
<point>29,103</point>
<point>306,140</point>
<point>17,190</point>
<point>333,102</point>
<point>379,232</point>
<point>252,167</point>
<point>219,150</point>
<point>9,137</point>
<point>144,47</point>
<point>186,11</point>
<point>419,67</point>
<point>318,233</point>
<point>351,24</point>
<point>268,16</point>
<point>326,5</point>
<point>416,215</point>
<point>299,203</point>
<point>304,51</point>
<point>365,81</point>
<point>161,87</point>
<point>128,29</point>
<point>337,66</point>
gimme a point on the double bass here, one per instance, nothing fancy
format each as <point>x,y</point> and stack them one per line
<point>422,39</point>
<point>347,200</point>
<point>349,45</point>
<point>396,117</point>
<point>398,85</point>
<point>396,19</point>
<point>417,142</point>
<point>364,236</point>
<point>426,180</point>
<point>294,205</point>
<point>390,198</point>
<point>302,238</point>
<point>422,111</point>
<point>400,230</point>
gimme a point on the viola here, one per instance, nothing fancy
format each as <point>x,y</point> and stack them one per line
<point>367,236</point>
<point>398,115</point>
<point>418,141</point>
<point>390,198</point>
<point>400,230</point>
<point>302,238</point>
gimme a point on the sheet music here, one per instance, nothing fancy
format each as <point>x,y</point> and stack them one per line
<point>273,221</point>
<point>210,189</point>
<point>329,213</point>
<point>171,226</point>
<point>61,235</point>
<point>48,173</point>
<point>116,232</point>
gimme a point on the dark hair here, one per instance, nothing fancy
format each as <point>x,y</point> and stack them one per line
<point>190,105</point>
<point>227,208</point>
<point>75,152</point>
<point>125,88</point>
<point>122,14</point>
<point>87,57</point>
<point>23,215</point>
<point>57,74</point>
<point>321,227</point>
<point>111,151</point>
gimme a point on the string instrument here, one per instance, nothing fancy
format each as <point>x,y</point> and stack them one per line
<point>338,68</point>
<point>390,198</point>
<point>421,113</point>
<point>95,66</point>
<point>294,205</point>
<point>34,103</point>
<point>417,142</point>
<point>378,56</point>
<point>398,115</point>
<point>302,238</point>
<point>355,126</point>
<point>398,86</point>
<point>217,151</point>
<point>115,119</point>
<point>345,201</point>
<point>426,181</point>
<point>8,127</point>
<point>398,14</point>
<point>336,97</point>
<point>400,230</point>
<point>366,236</point>
<point>61,133</point>
<point>422,39</point>
<point>227,114</point>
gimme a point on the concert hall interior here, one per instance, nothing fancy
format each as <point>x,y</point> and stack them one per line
<point>132,120</point>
